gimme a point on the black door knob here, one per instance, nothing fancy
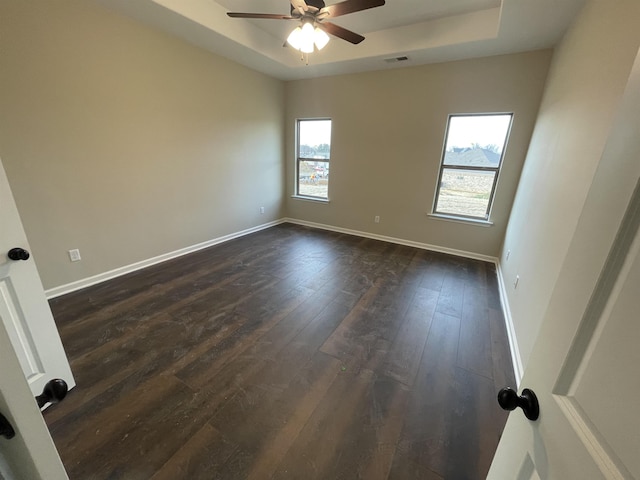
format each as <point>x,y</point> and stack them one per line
<point>54,391</point>
<point>18,254</point>
<point>510,400</point>
<point>6,430</point>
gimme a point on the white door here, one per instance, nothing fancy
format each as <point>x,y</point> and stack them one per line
<point>30,454</point>
<point>31,354</point>
<point>584,365</point>
<point>24,309</point>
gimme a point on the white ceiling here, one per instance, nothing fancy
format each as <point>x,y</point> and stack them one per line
<point>426,31</point>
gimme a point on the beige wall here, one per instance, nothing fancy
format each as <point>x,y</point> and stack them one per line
<point>587,78</point>
<point>128,143</point>
<point>387,134</point>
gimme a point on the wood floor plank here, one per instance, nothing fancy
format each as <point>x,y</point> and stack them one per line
<point>433,274</point>
<point>250,405</point>
<point>358,405</point>
<point>405,469</point>
<point>204,368</point>
<point>84,335</point>
<point>451,296</point>
<point>113,369</point>
<point>417,268</point>
<point>201,458</point>
<point>424,439</point>
<point>469,452</point>
<point>474,353</point>
<point>266,429</point>
<point>375,437</point>
<point>376,316</point>
<point>134,434</point>
<point>404,357</point>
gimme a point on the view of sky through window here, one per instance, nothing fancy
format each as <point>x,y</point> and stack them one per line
<point>478,130</point>
<point>315,138</point>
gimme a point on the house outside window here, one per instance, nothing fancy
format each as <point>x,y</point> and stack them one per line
<point>313,155</point>
<point>471,161</point>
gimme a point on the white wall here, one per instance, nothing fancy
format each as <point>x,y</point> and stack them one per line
<point>589,72</point>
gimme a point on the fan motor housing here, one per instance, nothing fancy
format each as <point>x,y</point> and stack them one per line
<point>314,3</point>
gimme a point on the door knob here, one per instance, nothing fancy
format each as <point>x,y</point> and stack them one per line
<point>6,430</point>
<point>510,400</point>
<point>18,254</point>
<point>54,391</point>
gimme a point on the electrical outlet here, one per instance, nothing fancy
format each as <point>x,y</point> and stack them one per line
<point>516,281</point>
<point>376,219</point>
<point>74,255</point>
<point>261,210</point>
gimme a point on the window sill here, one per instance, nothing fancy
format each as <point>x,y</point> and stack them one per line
<point>310,199</point>
<point>468,221</point>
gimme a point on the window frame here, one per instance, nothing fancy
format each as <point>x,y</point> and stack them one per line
<point>496,170</point>
<point>300,159</point>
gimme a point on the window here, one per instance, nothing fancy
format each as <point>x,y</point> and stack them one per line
<point>471,160</point>
<point>313,153</point>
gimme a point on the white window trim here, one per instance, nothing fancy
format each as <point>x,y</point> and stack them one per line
<point>311,199</point>
<point>460,219</point>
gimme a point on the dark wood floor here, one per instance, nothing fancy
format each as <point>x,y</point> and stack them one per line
<point>289,353</point>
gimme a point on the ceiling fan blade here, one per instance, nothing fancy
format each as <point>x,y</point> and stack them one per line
<point>349,6</point>
<point>273,16</point>
<point>340,32</point>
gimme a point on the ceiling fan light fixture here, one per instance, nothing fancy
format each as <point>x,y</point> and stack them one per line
<point>307,37</point>
<point>320,38</point>
<point>295,38</point>
<point>304,38</point>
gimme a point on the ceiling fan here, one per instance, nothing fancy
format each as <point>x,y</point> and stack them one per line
<point>314,28</point>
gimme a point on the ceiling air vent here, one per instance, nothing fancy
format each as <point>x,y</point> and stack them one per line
<point>396,59</point>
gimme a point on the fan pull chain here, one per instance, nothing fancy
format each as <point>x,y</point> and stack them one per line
<point>304,57</point>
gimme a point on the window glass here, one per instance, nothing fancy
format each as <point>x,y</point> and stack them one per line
<point>314,138</point>
<point>465,192</point>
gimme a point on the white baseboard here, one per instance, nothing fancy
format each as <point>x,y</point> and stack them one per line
<point>516,359</point>
<point>103,277</point>
<point>400,241</point>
